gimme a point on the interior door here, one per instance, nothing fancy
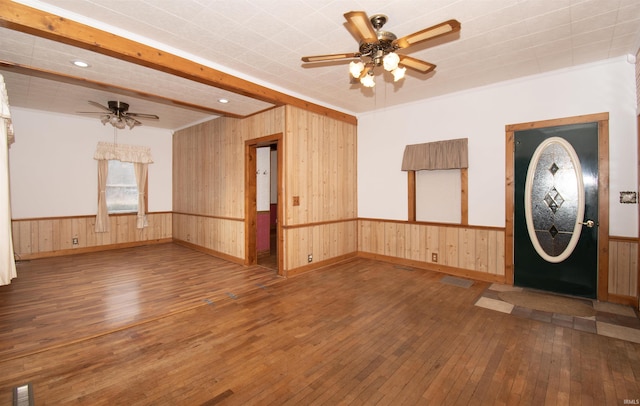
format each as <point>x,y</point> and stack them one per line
<point>556,209</point>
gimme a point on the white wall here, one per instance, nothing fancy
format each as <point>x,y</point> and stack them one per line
<point>481,115</point>
<point>53,172</point>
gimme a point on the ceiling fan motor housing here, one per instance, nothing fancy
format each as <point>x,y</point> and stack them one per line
<point>118,107</point>
<point>377,50</point>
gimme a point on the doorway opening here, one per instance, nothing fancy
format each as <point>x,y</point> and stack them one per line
<point>263,202</point>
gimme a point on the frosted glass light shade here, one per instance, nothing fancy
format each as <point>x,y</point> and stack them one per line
<point>355,68</point>
<point>368,81</point>
<point>390,61</point>
<point>398,73</point>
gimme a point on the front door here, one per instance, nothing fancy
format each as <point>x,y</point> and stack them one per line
<point>556,209</point>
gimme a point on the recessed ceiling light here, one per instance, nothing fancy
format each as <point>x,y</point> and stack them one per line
<point>80,64</point>
<point>223,101</point>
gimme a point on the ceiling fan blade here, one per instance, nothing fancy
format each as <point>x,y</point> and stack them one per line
<point>91,112</point>
<point>107,109</point>
<point>416,64</point>
<point>360,25</point>
<point>333,57</point>
<point>428,33</point>
<point>143,116</point>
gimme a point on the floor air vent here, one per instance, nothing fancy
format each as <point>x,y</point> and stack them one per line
<point>23,395</point>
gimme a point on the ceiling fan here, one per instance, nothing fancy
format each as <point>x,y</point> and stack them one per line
<point>378,47</point>
<point>118,115</point>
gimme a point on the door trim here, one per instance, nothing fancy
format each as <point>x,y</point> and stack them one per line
<point>250,197</point>
<point>603,192</point>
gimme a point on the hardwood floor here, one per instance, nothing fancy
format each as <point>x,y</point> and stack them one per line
<point>168,325</point>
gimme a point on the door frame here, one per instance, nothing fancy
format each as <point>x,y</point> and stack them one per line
<point>250,198</point>
<point>603,192</point>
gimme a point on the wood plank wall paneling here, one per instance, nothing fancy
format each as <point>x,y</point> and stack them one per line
<point>324,241</point>
<point>208,180</point>
<point>476,249</point>
<point>320,168</point>
<point>219,235</point>
<point>623,266</point>
<point>35,238</point>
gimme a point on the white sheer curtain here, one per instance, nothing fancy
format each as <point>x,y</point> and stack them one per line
<point>7,260</point>
<point>140,156</point>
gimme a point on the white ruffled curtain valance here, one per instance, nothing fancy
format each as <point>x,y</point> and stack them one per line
<point>7,260</point>
<point>123,152</point>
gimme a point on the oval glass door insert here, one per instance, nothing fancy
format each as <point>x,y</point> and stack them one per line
<point>554,199</point>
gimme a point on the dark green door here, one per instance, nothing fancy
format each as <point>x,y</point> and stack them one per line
<point>556,209</point>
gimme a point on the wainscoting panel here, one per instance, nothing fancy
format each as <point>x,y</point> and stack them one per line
<point>623,267</point>
<point>466,250</point>
<point>325,242</point>
<point>216,235</point>
<point>44,237</point>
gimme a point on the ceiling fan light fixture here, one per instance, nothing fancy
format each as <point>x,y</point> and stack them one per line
<point>356,68</point>
<point>130,122</point>
<point>398,73</point>
<point>368,80</point>
<point>390,61</point>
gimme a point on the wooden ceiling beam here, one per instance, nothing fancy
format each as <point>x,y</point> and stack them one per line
<point>36,22</point>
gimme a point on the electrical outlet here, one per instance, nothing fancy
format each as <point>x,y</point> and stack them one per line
<point>296,200</point>
<point>310,258</point>
<point>74,241</point>
<point>434,257</point>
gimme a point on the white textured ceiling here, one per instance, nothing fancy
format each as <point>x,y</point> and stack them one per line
<point>263,41</point>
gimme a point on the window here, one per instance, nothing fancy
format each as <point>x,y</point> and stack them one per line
<point>437,181</point>
<point>122,190</point>
<point>438,196</point>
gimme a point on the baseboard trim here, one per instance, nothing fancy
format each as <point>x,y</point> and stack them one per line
<point>449,270</point>
<point>85,250</point>
<point>209,251</point>
<point>623,299</point>
<point>318,265</point>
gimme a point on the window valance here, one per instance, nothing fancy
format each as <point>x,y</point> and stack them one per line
<point>450,154</point>
<point>124,153</point>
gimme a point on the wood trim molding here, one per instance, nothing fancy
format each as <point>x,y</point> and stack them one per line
<point>250,196</point>
<point>465,273</point>
<point>208,216</point>
<point>319,223</point>
<point>428,223</point>
<point>603,192</point>
<point>464,196</point>
<point>411,180</point>
<point>32,21</point>
<point>211,252</point>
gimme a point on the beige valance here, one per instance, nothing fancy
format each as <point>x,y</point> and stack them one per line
<point>450,154</point>
<point>124,153</point>
<point>5,114</point>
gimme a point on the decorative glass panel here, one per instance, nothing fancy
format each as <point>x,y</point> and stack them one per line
<point>554,199</point>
